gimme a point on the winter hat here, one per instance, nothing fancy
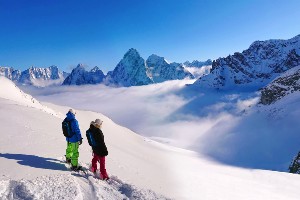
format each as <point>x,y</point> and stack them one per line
<point>72,111</point>
<point>98,123</point>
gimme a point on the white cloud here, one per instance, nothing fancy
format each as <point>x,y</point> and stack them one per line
<point>227,126</point>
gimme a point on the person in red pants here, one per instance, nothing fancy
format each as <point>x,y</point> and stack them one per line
<point>95,139</point>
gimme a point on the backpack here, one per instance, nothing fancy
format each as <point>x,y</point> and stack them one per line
<point>66,128</point>
<point>91,139</point>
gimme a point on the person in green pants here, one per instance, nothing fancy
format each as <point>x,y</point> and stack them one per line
<point>74,141</point>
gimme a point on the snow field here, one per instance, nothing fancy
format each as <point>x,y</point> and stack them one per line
<point>32,147</point>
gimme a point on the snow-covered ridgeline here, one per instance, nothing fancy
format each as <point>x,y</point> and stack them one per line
<point>35,76</point>
<point>286,84</point>
<point>159,70</point>
<point>8,90</point>
<point>79,76</point>
<point>254,67</point>
<point>197,63</point>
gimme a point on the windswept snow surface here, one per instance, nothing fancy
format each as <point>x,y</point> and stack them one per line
<point>32,147</point>
<point>8,90</point>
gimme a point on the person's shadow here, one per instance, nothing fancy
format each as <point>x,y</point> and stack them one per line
<point>36,161</point>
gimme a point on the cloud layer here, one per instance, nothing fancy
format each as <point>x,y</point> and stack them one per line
<point>228,127</point>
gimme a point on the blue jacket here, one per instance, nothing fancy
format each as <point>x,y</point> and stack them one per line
<point>75,128</point>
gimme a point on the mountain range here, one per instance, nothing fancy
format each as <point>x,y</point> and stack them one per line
<point>35,76</point>
<point>255,67</point>
<point>80,76</point>
<point>132,70</point>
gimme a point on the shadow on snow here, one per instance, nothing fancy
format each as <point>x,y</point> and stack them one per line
<point>35,161</point>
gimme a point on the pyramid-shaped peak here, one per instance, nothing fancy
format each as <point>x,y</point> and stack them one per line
<point>80,65</point>
<point>132,52</point>
<point>96,68</point>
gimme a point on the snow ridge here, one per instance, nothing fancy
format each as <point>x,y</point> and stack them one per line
<point>197,63</point>
<point>79,76</point>
<point>40,77</point>
<point>286,84</point>
<point>255,67</point>
<point>159,70</point>
<point>18,96</point>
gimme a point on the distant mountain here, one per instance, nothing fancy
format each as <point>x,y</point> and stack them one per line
<point>34,76</point>
<point>10,73</point>
<point>159,70</point>
<point>286,84</point>
<point>131,71</point>
<point>198,68</point>
<point>79,76</point>
<point>255,67</point>
<point>197,63</point>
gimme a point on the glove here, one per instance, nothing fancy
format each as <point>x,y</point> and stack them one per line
<point>80,141</point>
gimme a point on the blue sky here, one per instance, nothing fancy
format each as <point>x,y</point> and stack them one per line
<point>68,32</point>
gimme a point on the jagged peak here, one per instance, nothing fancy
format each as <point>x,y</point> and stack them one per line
<point>95,69</point>
<point>155,58</point>
<point>132,52</point>
<point>53,67</point>
<point>80,65</point>
<point>272,41</point>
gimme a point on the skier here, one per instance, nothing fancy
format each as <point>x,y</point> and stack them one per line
<point>96,141</point>
<point>74,141</point>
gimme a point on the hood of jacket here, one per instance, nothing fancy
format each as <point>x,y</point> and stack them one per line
<point>70,116</point>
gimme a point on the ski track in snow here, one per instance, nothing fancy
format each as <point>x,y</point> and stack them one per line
<point>74,185</point>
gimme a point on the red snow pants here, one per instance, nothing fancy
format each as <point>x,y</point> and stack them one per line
<point>97,158</point>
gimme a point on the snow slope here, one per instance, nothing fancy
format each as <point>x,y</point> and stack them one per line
<point>223,125</point>
<point>32,147</point>
<point>8,90</point>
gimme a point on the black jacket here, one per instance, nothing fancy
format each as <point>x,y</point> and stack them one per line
<point>100,149</point>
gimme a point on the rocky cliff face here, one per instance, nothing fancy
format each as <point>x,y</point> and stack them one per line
<point>79,76</point>
<point>284,85</point>
<point>34,76</point>
<point>197,63</point>
<point>255,67</point>
<point>10,73</point>
<point>159,70</point>
<point>131,71</point>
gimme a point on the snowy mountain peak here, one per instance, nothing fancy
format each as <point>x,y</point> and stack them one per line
<point>10,73</point>
<point>95,69</point>
<point>159,70</point>
<point>79,76</point>
<point>286,84</point>
<point>79,67</point>
<point>130,71</point>
<point>155,59</point>
<point>132,52</point>
<point>255,67</point>
<point>40,77</point>
<point>197,63</point>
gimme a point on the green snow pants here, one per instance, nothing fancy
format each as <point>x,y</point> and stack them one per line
<point>72,152</point>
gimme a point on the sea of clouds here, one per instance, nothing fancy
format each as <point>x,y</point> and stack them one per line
<point>230,127</point>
